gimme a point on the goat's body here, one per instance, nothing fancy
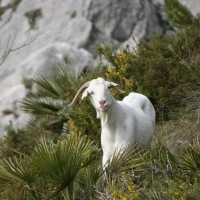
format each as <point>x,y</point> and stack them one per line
<point>123,123</point>
<point>126,123</point>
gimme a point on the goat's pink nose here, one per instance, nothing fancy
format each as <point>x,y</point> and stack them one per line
<point>102,102</point>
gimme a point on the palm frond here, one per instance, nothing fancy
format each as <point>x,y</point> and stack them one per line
<point>83,148</point>
<point>55,85</point>
<point>17,169</point>
<point>45,105</point>
<point>61,162</point>
<point>161,160</point>
<point>47,113</point>
<point>87,180</point>
<point>49,107</point>
<point>48,87</point>
<point>49,122</point>
<point>189,160</point>
<point>126,160</point>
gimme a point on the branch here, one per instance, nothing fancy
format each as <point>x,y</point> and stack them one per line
<point>9,46</point>
<point>6,22</point>
<point>12,6</point>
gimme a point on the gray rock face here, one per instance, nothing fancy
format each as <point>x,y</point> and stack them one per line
<point>120,20</point>
<point>35,35</point>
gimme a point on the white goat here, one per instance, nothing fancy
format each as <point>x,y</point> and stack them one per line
<point>123,123</point>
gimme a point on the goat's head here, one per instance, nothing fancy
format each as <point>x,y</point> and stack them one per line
<point>98,92</point>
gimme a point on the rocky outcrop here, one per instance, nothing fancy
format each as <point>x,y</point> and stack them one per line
<point>121,20</point>
<point>16,85</point>
<point>36,35</point>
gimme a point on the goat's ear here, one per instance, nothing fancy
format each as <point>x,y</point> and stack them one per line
<point>85,94</point>
<point>112,84</point>
<point>115,85</point>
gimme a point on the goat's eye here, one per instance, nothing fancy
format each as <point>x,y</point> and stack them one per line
<point>91,93</point>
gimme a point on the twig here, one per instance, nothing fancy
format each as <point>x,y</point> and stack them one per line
<point>10,48</point>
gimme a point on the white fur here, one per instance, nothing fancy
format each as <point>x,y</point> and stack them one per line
<point>123,123</point>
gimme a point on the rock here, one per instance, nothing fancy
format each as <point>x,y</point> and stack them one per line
<point>9,108</point>
<point>43,34</point>
<point>41,63</point>
<point>122,20</point>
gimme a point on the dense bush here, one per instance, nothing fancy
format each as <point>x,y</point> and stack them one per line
<point>71,168</point>
<point>52,171</point>
<point>22,140</point>
<point>164,69</point>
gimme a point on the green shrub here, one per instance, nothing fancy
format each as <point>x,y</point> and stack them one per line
<point>164,69</point>
<point>22,141</point>
<point>179,15</point>
<point>49,107</point>
<point>52,170</point>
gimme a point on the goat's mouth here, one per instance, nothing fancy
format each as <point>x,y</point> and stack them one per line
<point>103,108</point>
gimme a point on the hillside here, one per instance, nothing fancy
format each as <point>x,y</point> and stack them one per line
<point>37,35</point>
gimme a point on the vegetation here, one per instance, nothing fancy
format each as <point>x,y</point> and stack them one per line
<point>58,156</point>
<point>33,17</point>
<point>164,69</point>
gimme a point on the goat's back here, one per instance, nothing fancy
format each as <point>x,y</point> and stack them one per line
<point>141,102</point>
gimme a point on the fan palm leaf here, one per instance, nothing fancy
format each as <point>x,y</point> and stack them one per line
<point>20,172</point>
<point>17,169</point>
<point>87,181</point>
<point>189,160</point>
<point>48,112</point>
<point>41,106</point>
<point>60,163</point>
<point>126,160</point>
<point>55,86</point>
<point>49,106</point>
<point>52,169</point>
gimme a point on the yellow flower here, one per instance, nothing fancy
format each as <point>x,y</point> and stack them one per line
<point>129,82</point>
<point>176,194</point>
<point>122,55</point>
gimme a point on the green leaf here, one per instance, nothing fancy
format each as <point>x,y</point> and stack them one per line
<point>189,160</point>
<point>126,160</point>
<point>17,169</point>
<point>61,162</point>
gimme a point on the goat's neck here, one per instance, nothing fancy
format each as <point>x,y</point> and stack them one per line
<point>106,117</point>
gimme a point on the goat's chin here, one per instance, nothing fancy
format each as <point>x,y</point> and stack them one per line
<point>103,108</point>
